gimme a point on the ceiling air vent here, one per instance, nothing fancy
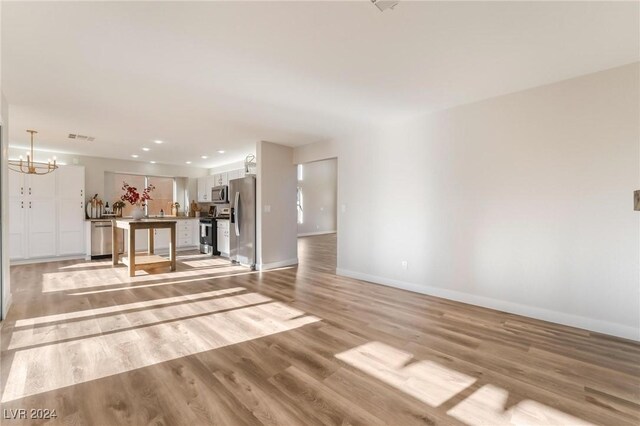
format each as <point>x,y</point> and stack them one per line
<point>81,137</point>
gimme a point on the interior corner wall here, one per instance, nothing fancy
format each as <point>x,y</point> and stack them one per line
<point>318,188</point>
<point>4,205</point>
<point>276,214</point>
<point>521,203</point>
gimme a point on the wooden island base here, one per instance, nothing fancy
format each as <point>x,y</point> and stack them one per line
<point>136,261</point>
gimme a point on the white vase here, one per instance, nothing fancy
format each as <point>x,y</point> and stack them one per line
<point>138,213</point>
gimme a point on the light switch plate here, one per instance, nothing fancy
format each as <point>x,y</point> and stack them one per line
<point>267,208</point>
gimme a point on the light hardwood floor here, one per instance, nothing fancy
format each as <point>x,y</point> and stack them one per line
<point>218,344</point>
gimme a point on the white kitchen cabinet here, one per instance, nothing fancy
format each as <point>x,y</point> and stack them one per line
<point>202,191</point>
<point>17,216</point>
<point>71,213</point>
<point>184,233</point>
<point>211,182</point>
<point>233,174</point>
<point>40,203</point>
<point>162,239</point>
<point>205,184</point>
<point>46,214</point>
<point>142,240</point>
<point>221,179</point>
<point>195,229</point>
<point>223,237</point>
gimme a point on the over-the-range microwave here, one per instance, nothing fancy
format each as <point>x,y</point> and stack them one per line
<point>219,194</point>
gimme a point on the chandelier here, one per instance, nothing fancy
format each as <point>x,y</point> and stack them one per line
<point>30,166</point>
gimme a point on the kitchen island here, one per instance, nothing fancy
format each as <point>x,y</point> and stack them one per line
<point>148,260</point>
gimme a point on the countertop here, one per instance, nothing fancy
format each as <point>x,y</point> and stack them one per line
<point>146,218</point>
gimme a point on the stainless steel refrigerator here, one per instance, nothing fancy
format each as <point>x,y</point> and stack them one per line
<point>242,241</point>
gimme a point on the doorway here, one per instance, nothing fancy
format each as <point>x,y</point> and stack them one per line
<point>317,207</point>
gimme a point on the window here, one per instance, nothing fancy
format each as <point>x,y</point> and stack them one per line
<point>136,181</point>
<point>299,202</point>
<point>162,196</point>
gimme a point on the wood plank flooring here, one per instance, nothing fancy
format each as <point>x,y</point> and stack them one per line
<point>214,343</point>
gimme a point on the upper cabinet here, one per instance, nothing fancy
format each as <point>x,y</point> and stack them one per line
<point>205,185</point>
<point>203,197</point>
<point>235,174</point>
<point>221,179</point>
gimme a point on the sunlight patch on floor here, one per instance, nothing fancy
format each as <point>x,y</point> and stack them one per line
<point>77,280</point>
<point>488,404</point>
<point>94,264</point>
<point>129,287</point>
<point>191,297</point>
<point>56,365</point>
<point>427,381</point>
<point>435,384</point>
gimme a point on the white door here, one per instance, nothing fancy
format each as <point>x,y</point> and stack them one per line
<point>17,214</point>
<point>70,210</point>
<point>40,204</point>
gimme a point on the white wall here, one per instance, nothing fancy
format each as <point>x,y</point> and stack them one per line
<point>276,229</point>
<point>318,185</point>
<point>4,205</point>
<point>522,203</point>
<point>316,152</point>
<point>227,167</point>
<point>96,167</point>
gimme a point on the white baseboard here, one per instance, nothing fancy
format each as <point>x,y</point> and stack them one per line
<point>309,234</point>
<point>6,306</point>
<point>599,326</point>
<point>273,265</point>
<point>46,259</point>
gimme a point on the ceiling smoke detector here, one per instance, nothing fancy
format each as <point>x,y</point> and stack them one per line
<point>383,5</point>
<point>81,137</point>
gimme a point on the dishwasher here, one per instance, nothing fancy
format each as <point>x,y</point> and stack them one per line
<point>101,238</point>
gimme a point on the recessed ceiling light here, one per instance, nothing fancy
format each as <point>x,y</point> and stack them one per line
<point>146,149</point>
<point>204,157</point>
<point>188,162</point>
<point>158,142</point>
<point>221,151</point>
<point>135,155</point>
<point>152,162</point>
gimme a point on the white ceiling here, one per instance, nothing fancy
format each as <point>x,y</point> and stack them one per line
<point>206,76</point>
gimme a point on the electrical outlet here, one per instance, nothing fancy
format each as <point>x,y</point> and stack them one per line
<point>344,208</point>
<point>405,265</point>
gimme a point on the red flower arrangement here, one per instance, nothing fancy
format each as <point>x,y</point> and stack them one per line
<point>132,196</point>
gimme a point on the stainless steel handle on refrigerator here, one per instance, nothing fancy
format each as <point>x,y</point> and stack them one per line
<point>236,205</point>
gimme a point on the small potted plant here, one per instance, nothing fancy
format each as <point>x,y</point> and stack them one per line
<point>133,197</point>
